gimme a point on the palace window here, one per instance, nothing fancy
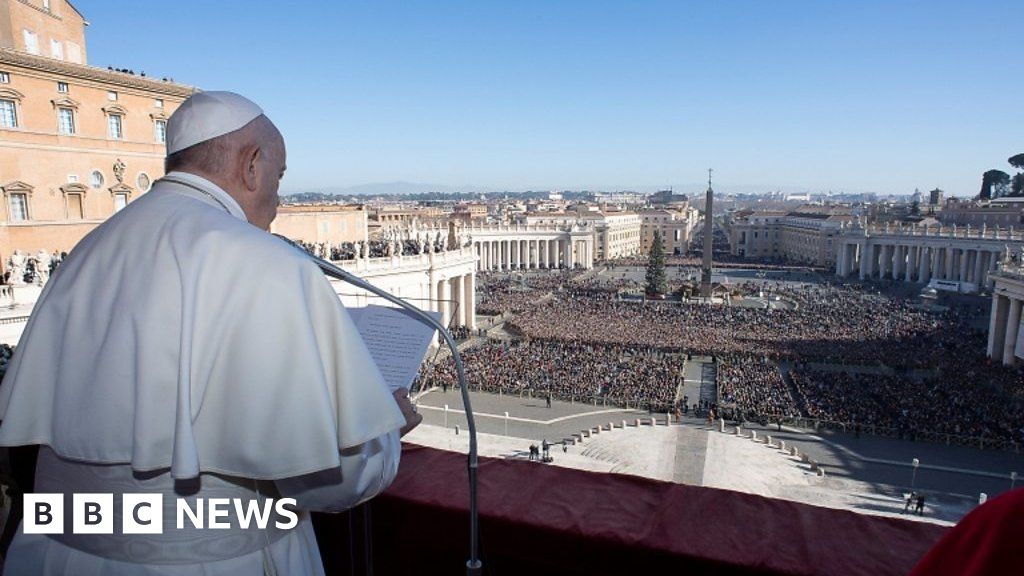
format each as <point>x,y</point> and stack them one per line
<point>62,87</point>
<point>112,96</point>
<point>143,181</point>
<point>46,4</point>
<point>159,103</point>
<point>74,52</point>
<point>96,179</point>
<point>65,121</point>
<point>18,206</point>
<point>120,201</point>
<point>8,114</point>
<point>5,78</point>
<point>75,210</point>
<point>56,49</point>
<point>31,41</point>
<point>115,128</point>
<point>160,131</point>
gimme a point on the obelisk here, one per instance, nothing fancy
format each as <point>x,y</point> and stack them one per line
<point>709,236</point>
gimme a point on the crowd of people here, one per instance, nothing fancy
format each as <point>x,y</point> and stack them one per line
<point>499,293</point>
<point>752,388</point>
<point>621,375</point>
<point>832,324</point>
<point>982,402</point>
<point>938,381</point>
<point>31,267</point>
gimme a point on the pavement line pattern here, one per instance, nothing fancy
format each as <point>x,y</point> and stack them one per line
<point>900,463</point>
<point>460,411</point>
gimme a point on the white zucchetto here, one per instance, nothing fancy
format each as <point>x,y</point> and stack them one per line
<point>207,115</point>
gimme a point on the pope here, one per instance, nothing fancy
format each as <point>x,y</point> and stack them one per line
<point>182,350</point>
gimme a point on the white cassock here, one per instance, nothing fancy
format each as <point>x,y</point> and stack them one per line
<point>179,349</point>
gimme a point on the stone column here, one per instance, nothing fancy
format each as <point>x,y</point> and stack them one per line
<point>433,304</point>
<point>841,260</point>
<point>949,254</point>
<point>1012,327</point>
<point>897,261</point>
<point>864,259</point>
<point>962,272</point>
<point>911,263</point>
<point>469,296</point>
<point>979,269</point>
<point>923,262</point>
<point>444,295</point>
<point>458,293</point>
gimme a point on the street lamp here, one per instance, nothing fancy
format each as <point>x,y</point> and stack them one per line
<point>913,479</point>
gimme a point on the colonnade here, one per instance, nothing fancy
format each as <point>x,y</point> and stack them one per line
<point>571,251</point>
<point>1005,330</point>
<point>454,298</point>
<point>443,282</point>
<point>920,261</point>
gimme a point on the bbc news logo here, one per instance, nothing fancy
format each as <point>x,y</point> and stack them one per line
<point>144,513</point>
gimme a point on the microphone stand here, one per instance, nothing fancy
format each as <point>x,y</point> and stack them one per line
<point>474,567</point>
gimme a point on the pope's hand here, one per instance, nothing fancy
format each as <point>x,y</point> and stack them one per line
<point>412,419</point>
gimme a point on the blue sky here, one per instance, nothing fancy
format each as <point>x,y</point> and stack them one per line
<point>867,96</point>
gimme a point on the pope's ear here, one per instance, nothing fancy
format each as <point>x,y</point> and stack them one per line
<point>250,168</point>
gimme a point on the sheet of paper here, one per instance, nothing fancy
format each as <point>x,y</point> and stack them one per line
<point>397,341</point>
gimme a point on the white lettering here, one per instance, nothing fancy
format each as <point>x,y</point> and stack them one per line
<point>279,506</point>
<point>195,516</point>
<point>218,509</point>
<point>246,514</point>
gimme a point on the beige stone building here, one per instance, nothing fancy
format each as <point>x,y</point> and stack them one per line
<point>676,228</point>
<point>329,223</point>
<point>77,143</point>
<point>616,233</point>
<point>807,235</point>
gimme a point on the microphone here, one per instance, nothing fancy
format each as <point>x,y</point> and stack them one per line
<point>474,567</point>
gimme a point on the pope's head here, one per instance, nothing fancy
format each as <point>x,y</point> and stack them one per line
<point>227,139</point>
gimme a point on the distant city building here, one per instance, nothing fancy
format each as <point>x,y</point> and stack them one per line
<point>470,212</point>
<point>397,216</point>
<point>805,235</point>
<point>77,143</point>
<point>619,198</point>
<point>1002,212</point>
<point>312,223</point>
<point>676,229</point>
<point>935,197</point>
<point>667,197</point>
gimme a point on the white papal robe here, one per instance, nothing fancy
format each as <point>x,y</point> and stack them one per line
<point>178,345</point>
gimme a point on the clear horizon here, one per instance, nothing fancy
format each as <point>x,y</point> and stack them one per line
<point>869,97</point>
